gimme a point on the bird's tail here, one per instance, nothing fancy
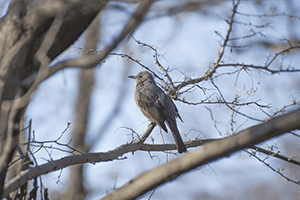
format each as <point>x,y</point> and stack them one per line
<point>178,140</point>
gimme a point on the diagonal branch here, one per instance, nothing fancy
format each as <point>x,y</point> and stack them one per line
<point>209,73</point>
<point>169,171</point>
<point>87,61</point>
<point>210,152</point>
<point>276,155</point>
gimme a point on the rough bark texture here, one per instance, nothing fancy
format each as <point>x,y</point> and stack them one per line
<point>24,26</point>
<point>22,31</point>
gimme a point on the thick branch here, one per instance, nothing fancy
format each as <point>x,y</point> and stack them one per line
<point>169,171</point>
<point>24,26</point>
<point>210,152</point>
<point>87,61</point>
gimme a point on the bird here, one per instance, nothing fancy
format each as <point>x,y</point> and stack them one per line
<point>157,106</point>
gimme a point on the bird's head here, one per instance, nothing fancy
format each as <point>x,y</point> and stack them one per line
<point>142,76</point>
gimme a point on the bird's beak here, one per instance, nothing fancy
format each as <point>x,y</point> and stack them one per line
<point>131,77</point>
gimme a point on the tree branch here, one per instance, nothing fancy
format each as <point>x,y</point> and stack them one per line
<point>169,171</point>
<point>210,152</point>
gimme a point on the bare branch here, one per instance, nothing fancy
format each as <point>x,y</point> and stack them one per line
<point>208,153</point>
<point>273,169</point>
<point>86,61</point>
<point>276,155</point>
<point>212,151</point>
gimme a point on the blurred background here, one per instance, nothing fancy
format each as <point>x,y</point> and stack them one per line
<point>188,38</point>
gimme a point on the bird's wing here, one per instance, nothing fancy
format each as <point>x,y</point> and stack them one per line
<point>169,107</point>
<point>176,110</point>
<point>152,108</point>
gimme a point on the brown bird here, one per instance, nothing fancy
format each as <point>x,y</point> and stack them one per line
<point>157,106</point>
